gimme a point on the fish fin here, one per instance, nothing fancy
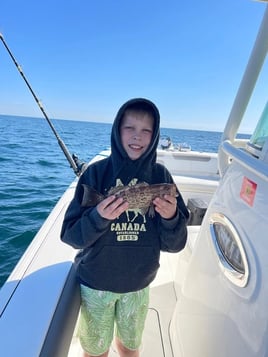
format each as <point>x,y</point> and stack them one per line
<point>91,197</point>
<point>151,211</point>
<point>142,184</point>
<point>115,189</point>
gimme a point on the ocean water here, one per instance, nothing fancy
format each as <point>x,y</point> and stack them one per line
<point>35,173</point>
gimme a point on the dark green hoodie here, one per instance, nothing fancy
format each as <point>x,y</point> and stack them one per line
<point>123,255</point>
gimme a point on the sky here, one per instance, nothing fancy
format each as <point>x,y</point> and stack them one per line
<point>85,58</point>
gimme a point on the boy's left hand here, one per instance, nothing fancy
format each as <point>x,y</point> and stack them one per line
<point>166,206</point>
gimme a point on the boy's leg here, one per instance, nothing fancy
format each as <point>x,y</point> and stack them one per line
<point>131,312</point>
<point>125,352</point>
<point>96,324</point>
<point>103,355</point>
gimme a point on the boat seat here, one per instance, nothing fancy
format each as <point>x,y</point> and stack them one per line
<point>200,188</point>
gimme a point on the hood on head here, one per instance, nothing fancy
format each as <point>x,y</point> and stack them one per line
<point>123,167</point>
<point>116,144</point>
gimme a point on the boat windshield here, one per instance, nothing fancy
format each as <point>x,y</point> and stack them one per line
<point>260,135</point>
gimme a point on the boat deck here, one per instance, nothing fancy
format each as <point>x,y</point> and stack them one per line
<point>47,266</point>
<point>163,298</point>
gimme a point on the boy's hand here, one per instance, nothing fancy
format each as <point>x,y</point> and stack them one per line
<point>166,206</point>
<point>111,208</point>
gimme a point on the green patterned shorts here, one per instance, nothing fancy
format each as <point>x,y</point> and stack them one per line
<point>104,311</point>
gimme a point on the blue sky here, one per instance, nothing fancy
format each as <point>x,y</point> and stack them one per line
<point>85,58</point>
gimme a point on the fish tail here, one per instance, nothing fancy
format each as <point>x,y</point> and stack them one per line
<point>91,197</point>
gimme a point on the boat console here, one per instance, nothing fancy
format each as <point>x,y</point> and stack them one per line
<point>258,144</point>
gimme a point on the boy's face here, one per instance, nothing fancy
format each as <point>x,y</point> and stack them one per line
<point>136,133</point>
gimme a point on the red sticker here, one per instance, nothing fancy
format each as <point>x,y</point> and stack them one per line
<point>248,191</point>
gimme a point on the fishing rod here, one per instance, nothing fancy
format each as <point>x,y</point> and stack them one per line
<point>73,160</point>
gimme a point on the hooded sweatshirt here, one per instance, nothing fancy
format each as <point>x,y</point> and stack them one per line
<point>122,255</point>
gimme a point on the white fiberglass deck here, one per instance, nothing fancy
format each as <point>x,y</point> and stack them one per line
<point>44,281</point>
<point>163,298</point>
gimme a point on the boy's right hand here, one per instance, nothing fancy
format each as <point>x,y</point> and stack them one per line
<point>111,208</point>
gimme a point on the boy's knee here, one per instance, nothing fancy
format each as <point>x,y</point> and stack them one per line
<point>124,351</point>
<point>103,355</point>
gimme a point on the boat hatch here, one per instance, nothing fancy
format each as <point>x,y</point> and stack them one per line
<point>258,144</point>
<point>229,249</point>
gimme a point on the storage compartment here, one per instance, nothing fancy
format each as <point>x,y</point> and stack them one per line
<point>197,208</point>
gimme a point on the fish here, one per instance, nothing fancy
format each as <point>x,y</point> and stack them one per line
<point>139,197</point>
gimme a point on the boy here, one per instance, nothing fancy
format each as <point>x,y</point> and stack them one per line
<point>120,250</point>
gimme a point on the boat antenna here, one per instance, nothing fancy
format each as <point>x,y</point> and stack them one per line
<point>75,163</point>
